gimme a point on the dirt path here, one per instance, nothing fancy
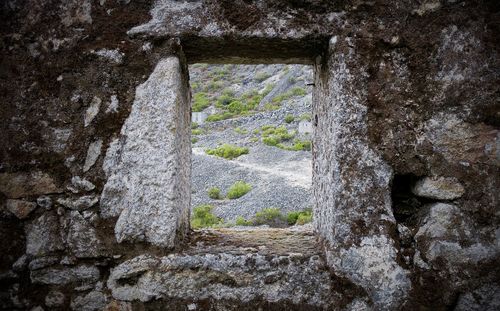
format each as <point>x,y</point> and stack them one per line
<point>296,173</point>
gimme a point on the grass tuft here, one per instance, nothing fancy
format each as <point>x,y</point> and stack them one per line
<point>238,189</point>
<point>227,151</point>
<point>204,218</point>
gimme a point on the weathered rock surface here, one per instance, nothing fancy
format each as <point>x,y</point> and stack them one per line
<point>18,185</point>
<point>20,208</point>
<point>79,184</point>
<point>255,269</point>
<point>93,154</point>
<point>149,189</point>
<point>93,301</point>
<point>82,237</point>
<point>447,234</point>
<point>54,299</point>
<point>44,201</point>
<point>79,203</point>
<point>43,235</point>
<point>92,110</point>
<point>439,188</point>
<point>346,196</point>
<point>80,275</point>
<point>485,298</point>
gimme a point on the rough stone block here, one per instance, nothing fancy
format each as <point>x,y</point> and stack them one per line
<point>43,235</point>
<point>18,185</point>
<point>63,276</point>
<point>439,188</point>
<point>82,237</point>
<point>80,203</point>
<point>148,167</point>
<point>20,208</point>
<point>93,301</point>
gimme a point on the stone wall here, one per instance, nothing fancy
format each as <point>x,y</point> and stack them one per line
<point>406,159</point>
<point>406,154</point>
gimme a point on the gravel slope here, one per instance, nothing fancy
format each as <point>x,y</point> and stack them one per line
<point>279,178</point>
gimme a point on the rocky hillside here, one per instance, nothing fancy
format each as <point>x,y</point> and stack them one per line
<point>265,111</point>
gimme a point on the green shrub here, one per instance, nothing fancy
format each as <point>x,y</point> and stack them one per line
<point>194,140</point>
<point>196,132</point>
<point>238,189</point>
<point>267,127</point>
<point>200,101</point>
<point>305,117</point>
<point>219,116</point>
<point>273,136</point>
<point>261,76</point>
<point>214,193</point>
<point>203,217</point>
<point>289,118</point>
<point>304,219</point>
<point>298,91</point>
<point>302,145</point>
<point>269,87</point>
<point>195,86</point>
<point>241,131</point>
<point>236,106</point>
<point>225,99</point>
<point>270,140</point>
<point>299,218</point>
<point>271,107</point>
<point>268,216</point>
<point>298,145</point>
<point>291,218</point>
<point>254,139</point>
<point>194,125</point>
<point>240,221</point>
<point>227,151</point>
<point>214,85</point>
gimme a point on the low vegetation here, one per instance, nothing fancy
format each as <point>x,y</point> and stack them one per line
<point>269,216</point>
<point>197,131</point>
<point>305,117</point>
<point>278,136</point>
<point>289,118</point>
<point>214,193</point>
<point>220,116</point>
<point>200,101</point>
<point>241,131</point>
<point>296,91</point>
<point>238,189</point>
<point>203,217</point>
<point>240,221</point>
<point>261,76</point>
<point>273,217</point>
<point>227,151</point>
<point>299,218</point>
